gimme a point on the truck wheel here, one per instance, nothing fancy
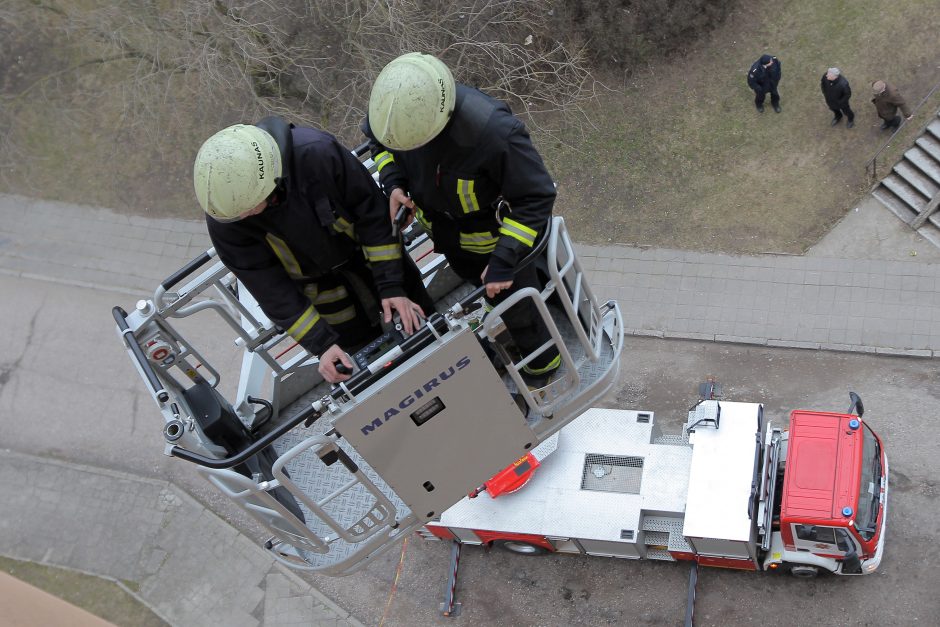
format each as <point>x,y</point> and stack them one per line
<point>804,571</point>
<point>520,548</point>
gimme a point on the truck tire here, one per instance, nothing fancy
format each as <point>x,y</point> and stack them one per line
<point>520,548</point>
<point>804,571</point>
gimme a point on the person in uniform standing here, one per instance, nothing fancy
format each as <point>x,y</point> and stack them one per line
<point>763,78</point>
<point>302,224</point>
<point>462,164</point>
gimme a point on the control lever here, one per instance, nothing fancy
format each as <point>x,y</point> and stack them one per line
<point>399,220</point>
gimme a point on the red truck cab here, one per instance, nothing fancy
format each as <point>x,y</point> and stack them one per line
<point>835,491</point>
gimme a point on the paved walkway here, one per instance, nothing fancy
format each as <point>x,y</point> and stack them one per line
<point>872,306</point>
<point>889,306</point>
<point>64,514</point>
<point>153,539</point>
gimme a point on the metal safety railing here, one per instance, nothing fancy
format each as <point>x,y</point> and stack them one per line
<point>586,319</point>
<point>335,510</point>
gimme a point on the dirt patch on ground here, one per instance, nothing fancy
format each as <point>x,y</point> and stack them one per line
<point>679,158</point>
<point>98,596</point>
<point>75,127</point>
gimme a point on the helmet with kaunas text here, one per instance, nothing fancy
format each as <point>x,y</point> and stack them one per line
<point>236,170</point>
<point>411,102</point>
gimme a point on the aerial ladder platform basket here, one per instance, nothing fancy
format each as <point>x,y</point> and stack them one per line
<point>336,474</point>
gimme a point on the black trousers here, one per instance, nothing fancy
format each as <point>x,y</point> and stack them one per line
<point>525,324</point>
<point>893,122</point>
<point>847,110</point>
<point>761,94</point>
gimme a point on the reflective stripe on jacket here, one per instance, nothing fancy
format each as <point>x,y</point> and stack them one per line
<point>483,156</point>
<point>333,214</point>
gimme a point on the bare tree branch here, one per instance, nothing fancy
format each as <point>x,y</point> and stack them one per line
<point>314,61</point>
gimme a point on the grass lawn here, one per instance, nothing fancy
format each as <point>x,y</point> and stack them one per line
<point>681,158</point>
<point>93,594</point>
<point>678,158</point>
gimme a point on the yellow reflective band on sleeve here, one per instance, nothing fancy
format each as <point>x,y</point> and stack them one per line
<point>331,296</point>
<point>383,159</point>
<point>519,231</point>
<point>339,317</point>
<point>468,199</point>
<point>282,250</point>
<point>551,366</point>
<point>342,225</point>
<point>480,243</point>
<point>388,252</point>
<point>422,220</point>
<point>304,323</point>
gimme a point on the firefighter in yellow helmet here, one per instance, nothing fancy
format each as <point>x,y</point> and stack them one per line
<point>299,220</point>
<point>465,167</point>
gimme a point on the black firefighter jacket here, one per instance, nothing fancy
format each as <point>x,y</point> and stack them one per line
<point>332,213</point>
<point>457,180</point>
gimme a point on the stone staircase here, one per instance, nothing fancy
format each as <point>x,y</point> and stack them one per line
<point>912,189</point>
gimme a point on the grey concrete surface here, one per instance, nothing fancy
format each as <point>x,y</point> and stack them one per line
<point>86,484</point>
<point>886,304</point>
<point>871,285</point>
<point>154,539</point>
<point>869,231</point>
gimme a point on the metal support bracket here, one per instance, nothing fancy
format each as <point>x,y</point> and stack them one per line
<point>450,607</point>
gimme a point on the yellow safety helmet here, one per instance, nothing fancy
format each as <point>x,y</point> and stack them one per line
<point>235,170</point>
<point>412,101</point>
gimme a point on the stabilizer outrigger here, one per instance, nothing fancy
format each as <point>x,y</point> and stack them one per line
<point>339,473</point>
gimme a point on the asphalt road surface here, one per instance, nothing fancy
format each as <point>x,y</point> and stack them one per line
<point>74,397</point>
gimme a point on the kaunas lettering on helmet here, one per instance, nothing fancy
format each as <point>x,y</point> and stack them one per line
<point>409,400</point>
<point>440,82</point>
<point>260,160</point>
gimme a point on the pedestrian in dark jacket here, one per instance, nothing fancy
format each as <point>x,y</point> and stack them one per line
<point>763,78</point>
<point>466,168</point>
<point>836,90</point>
<point>887,101</point>
<point>301,223</point>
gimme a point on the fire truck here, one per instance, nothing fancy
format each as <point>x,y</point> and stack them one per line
<point>337,474</point>
<point>730,490</point>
